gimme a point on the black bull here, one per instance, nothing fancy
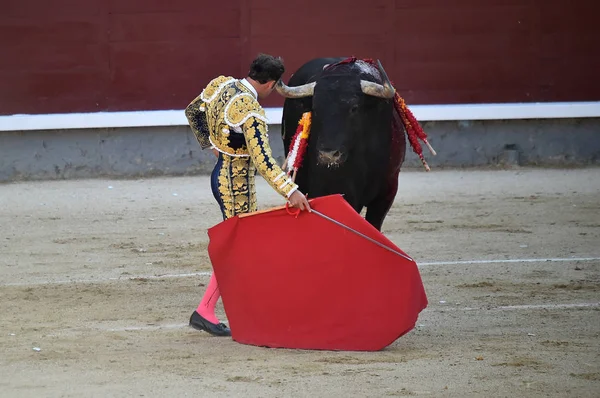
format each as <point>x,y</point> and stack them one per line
<point>356,145</point>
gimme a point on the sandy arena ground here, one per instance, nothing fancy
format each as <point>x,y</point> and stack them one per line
<point>96,275</point>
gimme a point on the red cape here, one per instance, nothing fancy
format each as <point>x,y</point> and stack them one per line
<point>305,282</point>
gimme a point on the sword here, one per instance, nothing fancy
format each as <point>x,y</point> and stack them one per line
<point>360,234</point>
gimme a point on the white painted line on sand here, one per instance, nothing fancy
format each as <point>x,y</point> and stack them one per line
<point>99,280</point>
<point>508,261</point>
<point>207,273</point>
<point>546,306</point>
<point>148,327</point>
<point>516,307</point>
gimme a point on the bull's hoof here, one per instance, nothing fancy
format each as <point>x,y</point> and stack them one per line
<point>216,329</point>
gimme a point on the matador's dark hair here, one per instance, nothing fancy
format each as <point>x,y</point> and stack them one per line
<point>265,68</point>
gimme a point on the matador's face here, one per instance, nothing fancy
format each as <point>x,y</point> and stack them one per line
<point>266,89</point>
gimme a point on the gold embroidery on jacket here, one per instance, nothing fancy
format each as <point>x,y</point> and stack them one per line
<point>257,140</point>
<point>236,186</point>
<point>227,116</point>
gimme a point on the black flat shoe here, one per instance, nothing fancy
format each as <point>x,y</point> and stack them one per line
<point>216,329</point>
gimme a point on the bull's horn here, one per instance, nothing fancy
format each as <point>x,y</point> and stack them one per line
<point>305,90</point>
<point>377,90</point>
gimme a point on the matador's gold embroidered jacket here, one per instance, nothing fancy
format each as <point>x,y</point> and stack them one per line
<point>228,117</point>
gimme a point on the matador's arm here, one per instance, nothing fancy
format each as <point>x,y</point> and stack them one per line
<point>257,141</point>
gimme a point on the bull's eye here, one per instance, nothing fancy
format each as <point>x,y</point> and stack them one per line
<point>354,109</point>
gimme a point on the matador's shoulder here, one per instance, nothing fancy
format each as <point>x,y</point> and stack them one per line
<point>242,107</point>
<point>215,86</point>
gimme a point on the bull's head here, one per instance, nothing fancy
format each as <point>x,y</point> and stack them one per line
<point>384,90</point>
<point>341,116</point>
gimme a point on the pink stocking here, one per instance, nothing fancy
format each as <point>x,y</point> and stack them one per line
<point>206,308</point>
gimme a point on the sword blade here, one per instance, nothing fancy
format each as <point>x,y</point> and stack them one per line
<point>360,234</point>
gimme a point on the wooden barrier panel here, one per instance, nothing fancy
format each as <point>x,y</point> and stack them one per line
<point>105,55</point>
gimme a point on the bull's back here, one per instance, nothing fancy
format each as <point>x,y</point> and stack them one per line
<point>310,71</point>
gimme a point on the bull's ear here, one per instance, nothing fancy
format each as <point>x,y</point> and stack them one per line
<point>325,66</point>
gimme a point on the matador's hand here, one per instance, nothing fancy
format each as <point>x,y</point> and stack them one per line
<point>298,200</point>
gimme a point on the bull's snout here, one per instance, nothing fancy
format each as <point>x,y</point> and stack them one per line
<point>331,158</point>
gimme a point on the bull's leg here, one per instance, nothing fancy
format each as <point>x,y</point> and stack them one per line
<point>379,207</point>
<point>354,203</point>
<point>377,210</point>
